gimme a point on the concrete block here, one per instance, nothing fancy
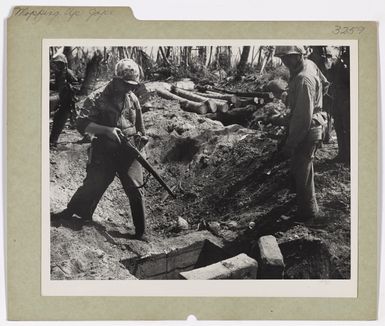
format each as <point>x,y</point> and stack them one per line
<point>182,259</point>
<point>241,267</point>
<point>270,258</point>
<point>152,267</point>
<point>238,267</point>
<point>212,272</point>
<point>166,259</point>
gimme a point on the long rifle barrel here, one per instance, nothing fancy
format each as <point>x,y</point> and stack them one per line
<point>147,165</point>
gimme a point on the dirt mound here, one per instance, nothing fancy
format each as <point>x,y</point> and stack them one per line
<point>224,178</point>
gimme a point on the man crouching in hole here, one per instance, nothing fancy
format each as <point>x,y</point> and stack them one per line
<point>113,113</point>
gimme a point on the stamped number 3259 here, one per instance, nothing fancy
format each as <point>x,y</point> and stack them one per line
<point>348,30</point>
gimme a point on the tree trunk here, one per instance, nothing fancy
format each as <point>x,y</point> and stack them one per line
<point>242,62</point>
<point>121,52</point>
<point>67,51</point>
<point>195,98</point>
<point>125,53</point>
<point>189,56</point>
<point>225,97</point>
<point>229,54</point>
<point>158,57</point>
<point>211,53</point>
<point>164,57</point>
<point>253,55</point>
<point>92,73</point>
<point>267,96</point>
<point>51,52</point>
<point>105,55</point>
<point>202,54</point>
<point>168,52</point>
<point>217,52</point>
<point>131,52</point>
<point>186,105</point>
<point>259,57</point>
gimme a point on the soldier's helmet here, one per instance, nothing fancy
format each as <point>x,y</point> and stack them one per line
<point>281,51</point>
<point>60,57</point>
<point>128,70</point>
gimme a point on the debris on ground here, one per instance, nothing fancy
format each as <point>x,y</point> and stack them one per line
<point>207,142</point>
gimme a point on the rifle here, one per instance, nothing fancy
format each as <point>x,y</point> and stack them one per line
<point>139,157</point>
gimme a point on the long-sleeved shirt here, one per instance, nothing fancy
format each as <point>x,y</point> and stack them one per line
<point>110,107</point>
<point>305,96</point>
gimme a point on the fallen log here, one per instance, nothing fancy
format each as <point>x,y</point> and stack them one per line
<point>186,105</point>
<point>233,99</point>
<point>222,106</point>
<point>196,107</point>
<point>267,96</point>
<point>214,104</point>
<point>195,98</point>
<point>185,84</point>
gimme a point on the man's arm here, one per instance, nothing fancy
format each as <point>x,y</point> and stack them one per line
<point>98,130</point>
<point>139,124</point>
<point>90,111</point>
<point>87,121</point>
<point>301,115</point>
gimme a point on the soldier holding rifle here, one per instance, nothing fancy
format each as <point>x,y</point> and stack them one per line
<point>113,117</point>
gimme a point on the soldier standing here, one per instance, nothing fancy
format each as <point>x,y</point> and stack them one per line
<point>113,113</point>
<point>306,124</point>
<point>64,80</point>
<point>340,78</point>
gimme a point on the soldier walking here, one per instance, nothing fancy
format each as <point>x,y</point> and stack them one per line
<point>113,113</point>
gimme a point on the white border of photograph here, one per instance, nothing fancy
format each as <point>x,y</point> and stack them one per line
<point>211,288</point>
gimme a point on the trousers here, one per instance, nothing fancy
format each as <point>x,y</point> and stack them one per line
<point>301,167</point>
<point>341,116</point>
<point>66,110</point>
<point>105,162</point>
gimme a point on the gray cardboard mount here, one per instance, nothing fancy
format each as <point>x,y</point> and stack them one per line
<point>26,28</point>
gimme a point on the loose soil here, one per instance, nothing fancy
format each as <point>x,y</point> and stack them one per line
<point>226,181</point>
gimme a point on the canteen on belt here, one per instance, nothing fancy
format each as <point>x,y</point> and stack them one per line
<point>315,134</point>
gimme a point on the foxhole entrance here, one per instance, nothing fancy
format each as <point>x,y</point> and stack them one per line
<point>167,266</point>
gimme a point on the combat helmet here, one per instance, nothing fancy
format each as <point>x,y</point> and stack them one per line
<point>128,70</point>
<point>281,51</point>
<point>60,57</point>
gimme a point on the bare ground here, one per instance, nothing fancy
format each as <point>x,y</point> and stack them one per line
<point>224,178</point>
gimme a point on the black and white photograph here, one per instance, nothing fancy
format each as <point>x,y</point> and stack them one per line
<point>196,161</point>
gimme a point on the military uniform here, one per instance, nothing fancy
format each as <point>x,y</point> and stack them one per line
<point>340,77</point>
<point>108,158</point>
<point>64,79</point>
<point>305,99</point>
<point>306,123</point>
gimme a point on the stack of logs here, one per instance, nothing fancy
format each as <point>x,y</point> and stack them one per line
<point>219,104</point>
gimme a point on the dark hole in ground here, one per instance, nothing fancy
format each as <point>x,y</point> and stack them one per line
<point>167,266</point>
<point>183,150</point>
<point>308,259</point>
